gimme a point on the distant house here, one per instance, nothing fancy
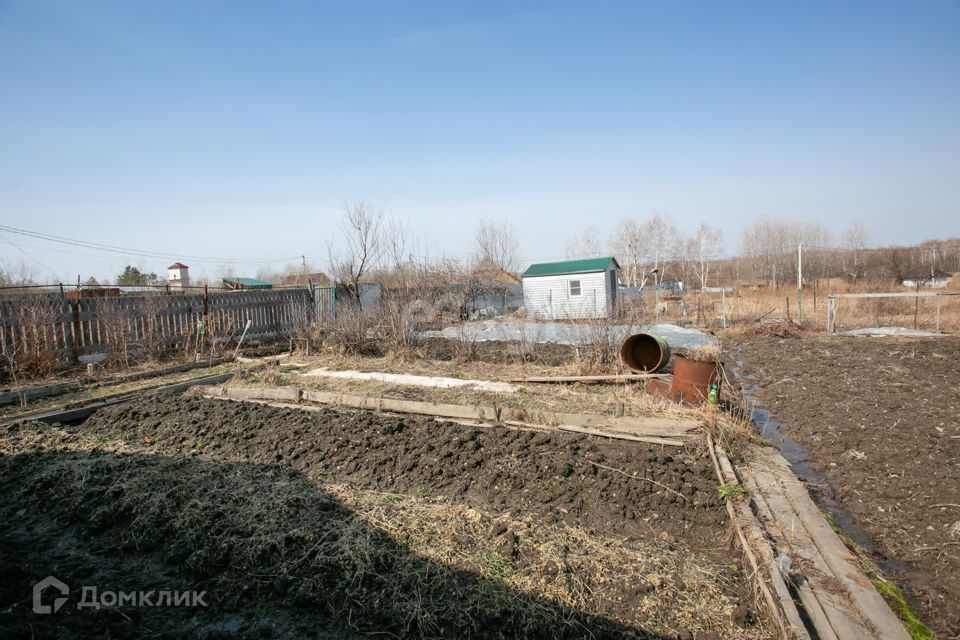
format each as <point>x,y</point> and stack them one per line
<point>178,276</point>
<point>245,283</point>
<point>935,282</point>
<point>487,272</point>
<point>304,280</point>
<point>571,289</point>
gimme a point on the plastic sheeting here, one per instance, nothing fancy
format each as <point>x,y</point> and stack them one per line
<point>879,332</point>
<point>566,333</point>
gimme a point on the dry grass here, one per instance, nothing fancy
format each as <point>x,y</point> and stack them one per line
<point>747,304</point>
<point>100,390</point>
<point>708,352</point>
<point>573,398</point>
<point>464,367</point>
<point>600,399</point>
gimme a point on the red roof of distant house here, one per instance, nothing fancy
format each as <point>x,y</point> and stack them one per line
<point>178,265</point>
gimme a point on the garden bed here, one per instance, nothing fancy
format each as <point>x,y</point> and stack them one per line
<point>338,523</point>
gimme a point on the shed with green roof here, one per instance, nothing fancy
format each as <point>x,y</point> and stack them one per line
<point>570,289</point>
<point>245,283</point>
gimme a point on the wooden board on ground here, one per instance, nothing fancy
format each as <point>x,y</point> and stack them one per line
<point>645,426</point>
<point>837,592</point>
<point>652,430</point>
<point>46,391</point>
<point>764,569</point>
<point>793,541</point>
<point>443,410</point>
<point>69,414</point>
<point>635,377</point>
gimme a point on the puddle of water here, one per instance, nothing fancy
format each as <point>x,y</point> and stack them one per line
<point>798,456</point>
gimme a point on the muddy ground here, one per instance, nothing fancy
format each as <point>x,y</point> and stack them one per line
<point>881,419</point>
<point>332,523</point>
<point>561,477</point>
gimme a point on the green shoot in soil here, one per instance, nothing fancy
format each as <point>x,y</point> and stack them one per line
<point>731,491</point>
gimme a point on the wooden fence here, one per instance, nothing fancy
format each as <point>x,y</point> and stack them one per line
<point>55,326</point>
<point>834,298</point>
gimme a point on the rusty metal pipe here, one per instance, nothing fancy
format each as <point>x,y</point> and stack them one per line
<point>645,353</point>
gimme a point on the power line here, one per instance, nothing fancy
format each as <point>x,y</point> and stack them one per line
<point>11,243</point>
<point>97,246</point>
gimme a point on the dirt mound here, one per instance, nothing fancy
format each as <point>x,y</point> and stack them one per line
<point>773,330</point>
<point>561,477</point>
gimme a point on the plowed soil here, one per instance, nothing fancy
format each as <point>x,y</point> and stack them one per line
<point>227,496</point>
<point>561,477</point>
<point>881,418</point>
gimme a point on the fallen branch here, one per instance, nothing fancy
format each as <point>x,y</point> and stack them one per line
<point>636,477</point>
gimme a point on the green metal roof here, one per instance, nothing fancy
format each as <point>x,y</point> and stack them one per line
<point>249,283</point>
<point>587,265</point>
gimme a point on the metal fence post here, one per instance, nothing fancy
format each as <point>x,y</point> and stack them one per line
<point>723,305</point>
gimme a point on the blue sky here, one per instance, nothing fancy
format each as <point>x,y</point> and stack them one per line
<point>239,129</point>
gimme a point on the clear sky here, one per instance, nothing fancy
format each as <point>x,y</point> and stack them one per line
<point>239,129</point>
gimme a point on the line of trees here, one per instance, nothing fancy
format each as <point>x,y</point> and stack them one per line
<point>649,250</point>
<point>652,250</point>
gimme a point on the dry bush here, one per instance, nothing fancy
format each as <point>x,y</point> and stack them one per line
<point>147,323</point>
<point>464,347</point>
<point>349,332</point>
<point>526,348</point>
<point>116,332</point>
<point>33,348</point>
<point>401,318</point>
<point>304,330</point>
<point>596,344</point>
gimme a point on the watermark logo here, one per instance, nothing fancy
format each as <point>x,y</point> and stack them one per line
<point>49,583</point>
<point>91,597</point>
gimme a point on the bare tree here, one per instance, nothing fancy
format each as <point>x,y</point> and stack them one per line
<point>702,250</point>
<point>771,247</point>
<point>17,274</point>
<point>496,245</point>
<point>642,249</point>
<point>226,270</point>
<point>362,232</point>
<point>762,243</point>
<point>585,245</point>
<point>854,242</point>
<point>626,243</point>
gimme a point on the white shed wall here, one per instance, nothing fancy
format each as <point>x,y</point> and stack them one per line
<point>548,296</point>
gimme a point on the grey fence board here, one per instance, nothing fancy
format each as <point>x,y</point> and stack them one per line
<point>61,327</point>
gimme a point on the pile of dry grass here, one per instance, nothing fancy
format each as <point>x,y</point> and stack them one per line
<point>773,330</point>
<point>710,352</point>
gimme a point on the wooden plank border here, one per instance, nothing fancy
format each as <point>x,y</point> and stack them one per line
<point>650,430</point>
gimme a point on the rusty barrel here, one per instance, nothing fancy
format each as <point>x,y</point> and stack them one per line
<point>645,353</point>
<point>692,379</point>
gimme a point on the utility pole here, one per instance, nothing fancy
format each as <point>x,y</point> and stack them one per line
<point>656,294</point>
<point>799,282</point>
